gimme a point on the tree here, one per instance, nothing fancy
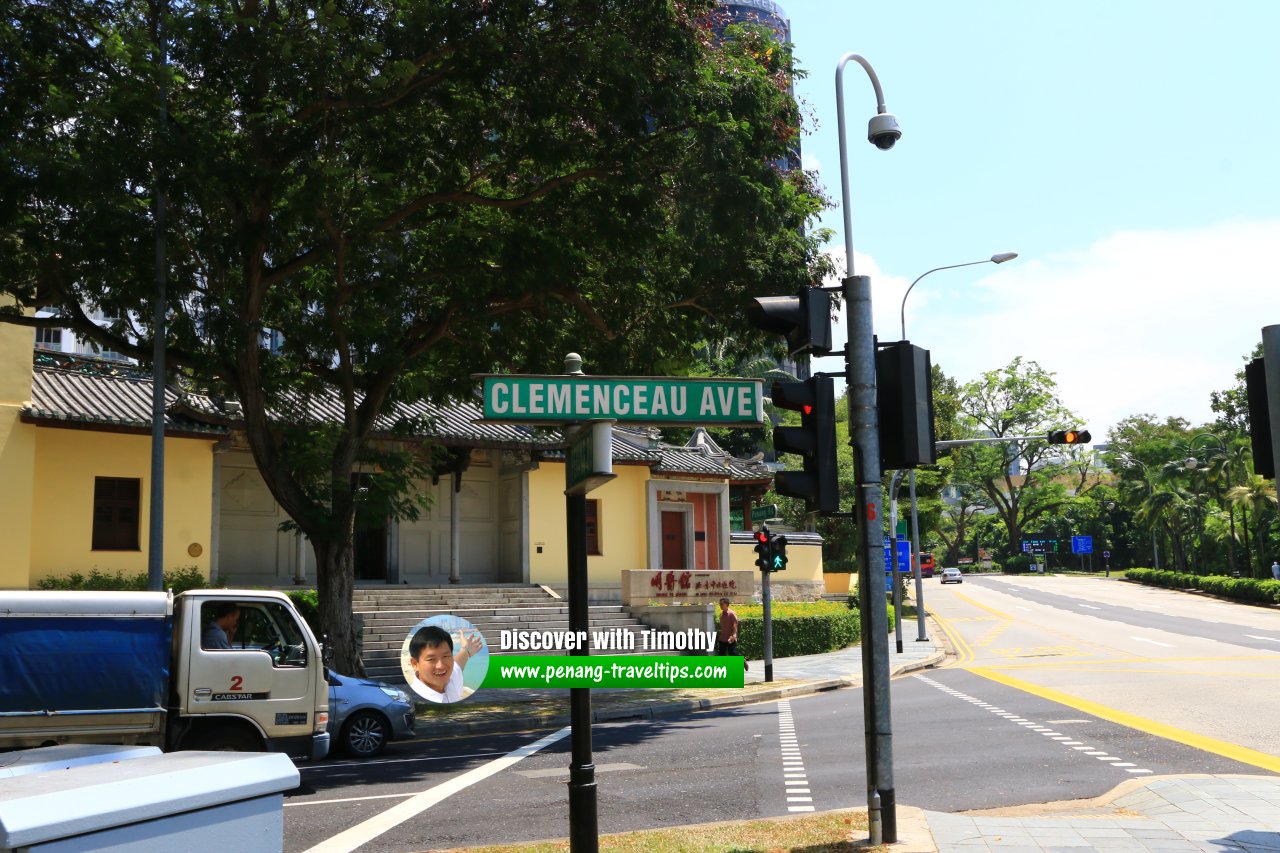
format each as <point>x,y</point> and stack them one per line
<point>1254,496</point>
<point>1015,400</point>
<point>1232,404</point>
<point>411,192</point>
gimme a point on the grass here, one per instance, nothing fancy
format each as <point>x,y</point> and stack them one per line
<point>829,832</point>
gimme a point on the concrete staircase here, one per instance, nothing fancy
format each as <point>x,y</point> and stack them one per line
<point>388,614</point>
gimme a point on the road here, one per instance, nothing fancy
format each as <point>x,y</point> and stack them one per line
<point>965,738</point>
<point>1185,666</point>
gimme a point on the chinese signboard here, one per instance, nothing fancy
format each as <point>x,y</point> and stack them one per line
<point>686,586</point>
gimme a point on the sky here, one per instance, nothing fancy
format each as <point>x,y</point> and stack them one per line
<point>1128,151</point>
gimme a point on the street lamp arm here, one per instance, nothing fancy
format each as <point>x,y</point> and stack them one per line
<point>903,311</point>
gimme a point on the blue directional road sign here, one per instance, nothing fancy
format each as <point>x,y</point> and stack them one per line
<point>1081,544</point>
<point>904,554</point>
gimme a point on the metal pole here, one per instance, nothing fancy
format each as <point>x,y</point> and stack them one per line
<point>894,584</point>
<point>864,436</point>
<point>921,636</point>
<point>584,836</point>
<point>155,538</point>
<point>767,600</point>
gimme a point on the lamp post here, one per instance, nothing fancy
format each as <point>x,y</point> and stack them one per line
<point>921,636</point>
<point>994,259</point>
<point>860,374</point>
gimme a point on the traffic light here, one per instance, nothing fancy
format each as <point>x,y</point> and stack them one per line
<point>904,398</point>
<point>1070,436</point>
<point>778,561</point>
<point>1255,386</point>
<point>764,552</point>
<point>805,319</point>
<point>814,439</point>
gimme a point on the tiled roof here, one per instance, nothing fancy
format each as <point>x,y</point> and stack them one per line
<point>109,401</point>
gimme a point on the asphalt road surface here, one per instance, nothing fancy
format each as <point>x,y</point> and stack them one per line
<point>962,739</point>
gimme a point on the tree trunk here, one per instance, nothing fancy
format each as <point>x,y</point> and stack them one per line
<point>335,581</point>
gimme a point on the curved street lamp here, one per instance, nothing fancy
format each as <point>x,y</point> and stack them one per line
<point>994,259</point>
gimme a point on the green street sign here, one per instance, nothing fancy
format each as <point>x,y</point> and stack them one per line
<point>524,399</point>
<point>589,459</point>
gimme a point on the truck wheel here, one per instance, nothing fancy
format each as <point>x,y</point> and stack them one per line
<point>225,739</point>
<point>365,734</point>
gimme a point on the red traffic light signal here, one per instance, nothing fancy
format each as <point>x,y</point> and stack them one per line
<point>1070,436</point>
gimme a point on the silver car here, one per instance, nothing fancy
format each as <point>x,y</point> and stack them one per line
<point>364,715</point>
<point>952,576</point>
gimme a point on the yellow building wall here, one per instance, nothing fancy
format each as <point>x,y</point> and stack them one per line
<point>623,525</point>
<point>66,463</point>
<point>17,456</point>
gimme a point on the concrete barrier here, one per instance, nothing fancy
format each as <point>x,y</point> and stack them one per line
<point>136,800</point>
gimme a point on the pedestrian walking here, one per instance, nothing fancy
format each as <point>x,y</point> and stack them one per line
<point>1275,569</point>
<point>727,636</point>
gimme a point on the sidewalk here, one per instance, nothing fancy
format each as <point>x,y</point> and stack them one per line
<point>1171,813</point>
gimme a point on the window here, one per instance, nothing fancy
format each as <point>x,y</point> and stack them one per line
<point>593,528</point>
<point>115,513</point>
<point>49,338</point>
<point>254,626</point>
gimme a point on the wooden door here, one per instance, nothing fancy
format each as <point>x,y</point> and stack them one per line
<point>673,553</point>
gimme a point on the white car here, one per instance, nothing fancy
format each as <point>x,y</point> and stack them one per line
<point>952,576</point>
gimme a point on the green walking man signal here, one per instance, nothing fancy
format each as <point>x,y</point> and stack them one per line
<point>771,551</point>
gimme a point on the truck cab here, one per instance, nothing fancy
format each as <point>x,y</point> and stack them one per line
<point>261,688</point>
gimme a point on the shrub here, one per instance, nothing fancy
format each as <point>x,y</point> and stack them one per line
<point>1018,564</point>
<point>179,580</point>
<point>1239,589</point>
<point>800,628</point>
<point>308,603</point>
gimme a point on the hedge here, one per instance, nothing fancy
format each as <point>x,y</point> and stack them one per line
<point>178,580</point>
<point>1239,589</point>
<point>799,628</point>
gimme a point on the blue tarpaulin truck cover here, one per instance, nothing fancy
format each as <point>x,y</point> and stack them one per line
<point>84,652</point>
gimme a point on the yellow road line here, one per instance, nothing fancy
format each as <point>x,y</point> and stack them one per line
<point>1084,667</point>
<point>964,654</point>
<point>1227,750</point>
<point>981,606</point>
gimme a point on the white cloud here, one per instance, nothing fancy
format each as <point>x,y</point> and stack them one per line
<point>1139,322</point>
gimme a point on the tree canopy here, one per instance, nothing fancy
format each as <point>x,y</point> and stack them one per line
<point>411,192</point>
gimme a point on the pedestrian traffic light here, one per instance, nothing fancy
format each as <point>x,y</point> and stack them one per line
<point>778,546</point>
<point>904,398</point>
<point>764,552</point>
<point>1255,386</point>
<point>814,440</point>
<point>1070,436</point>
<point>805,319</point>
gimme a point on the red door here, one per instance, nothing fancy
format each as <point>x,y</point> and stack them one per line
<point>673,556</point>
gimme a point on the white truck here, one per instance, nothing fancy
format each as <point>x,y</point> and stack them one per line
<point>147,668</point>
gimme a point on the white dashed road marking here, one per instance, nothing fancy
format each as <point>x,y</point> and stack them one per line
<point>794,779</point>
<point>1031,725</point>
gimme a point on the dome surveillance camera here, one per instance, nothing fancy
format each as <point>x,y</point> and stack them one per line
<point>883,131</point>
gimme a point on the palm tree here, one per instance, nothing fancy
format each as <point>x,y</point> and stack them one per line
<point>1174,509</point>
<point>1255,494</point>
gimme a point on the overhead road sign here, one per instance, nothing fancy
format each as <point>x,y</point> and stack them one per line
<point>525,399</point>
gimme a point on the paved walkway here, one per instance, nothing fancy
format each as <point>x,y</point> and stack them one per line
<point>1172,813</point>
